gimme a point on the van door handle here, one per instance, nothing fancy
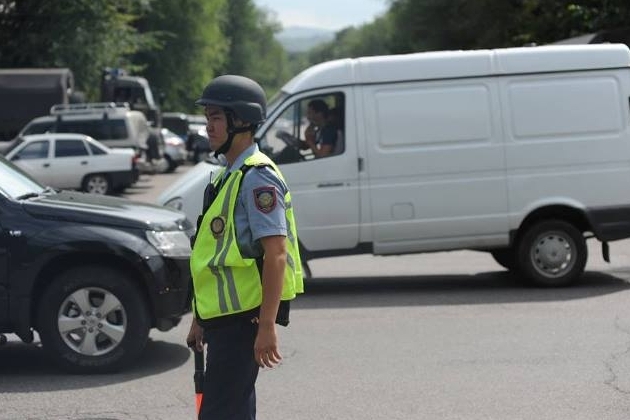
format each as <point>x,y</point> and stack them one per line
<point>330,184</point>
<point>84,162</point>
<point>46,165</point>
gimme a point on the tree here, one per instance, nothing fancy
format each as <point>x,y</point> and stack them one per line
<point>253,50</point>
<point>369,39</point>
<point>192,49</point>
<point>423,25</point>
<point>84,35</point>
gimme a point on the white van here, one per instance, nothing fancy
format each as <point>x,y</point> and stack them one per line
<point>521,152</point>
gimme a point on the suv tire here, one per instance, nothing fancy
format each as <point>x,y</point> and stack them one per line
<point>93,319</point>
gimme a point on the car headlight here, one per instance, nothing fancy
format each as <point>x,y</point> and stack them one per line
<point>175,203</point>
<point>170,243</point>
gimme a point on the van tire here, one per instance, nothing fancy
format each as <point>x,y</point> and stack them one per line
<point>101,350</point>
<point>97,184</point>
<point>552,253</point>
<point>505,257</point>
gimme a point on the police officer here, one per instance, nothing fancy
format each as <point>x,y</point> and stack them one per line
<point>245,261</point>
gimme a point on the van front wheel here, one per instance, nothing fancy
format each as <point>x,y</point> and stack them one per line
<point>552,253</point>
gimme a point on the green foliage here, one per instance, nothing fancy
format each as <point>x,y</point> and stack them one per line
<point>430,25</point>
<point>180,45</point>
<point>84,35</point>
<point>192,49</point>
<point>423,25</point>
<point>253,51</point>
<point>369,39</point>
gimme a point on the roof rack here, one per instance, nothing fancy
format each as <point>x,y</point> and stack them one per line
<point>88,108</point>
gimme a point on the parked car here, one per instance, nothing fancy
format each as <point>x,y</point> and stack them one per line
<point>114,125</point>
<point>74,161</point>
<point>90,274</point>
<point>177,122</point>
<point>151,159</point>
<point>197,142</point>
<point>174,149</point>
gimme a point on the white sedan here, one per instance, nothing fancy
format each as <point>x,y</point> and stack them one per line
<point>74,161</point>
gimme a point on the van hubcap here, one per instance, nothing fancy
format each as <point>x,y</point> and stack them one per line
<point>92,321</point>
<point>552,254</point>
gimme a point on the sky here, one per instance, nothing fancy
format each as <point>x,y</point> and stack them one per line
<point>325,14</point>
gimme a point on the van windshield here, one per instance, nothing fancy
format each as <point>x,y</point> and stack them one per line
<point>276,100</point>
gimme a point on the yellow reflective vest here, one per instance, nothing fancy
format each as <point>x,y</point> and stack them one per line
<point>224,281</point>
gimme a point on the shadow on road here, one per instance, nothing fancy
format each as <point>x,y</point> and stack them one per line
<point>481,288</point>
<point>25,368</point>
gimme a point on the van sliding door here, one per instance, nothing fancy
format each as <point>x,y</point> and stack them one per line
<point>436,165</point>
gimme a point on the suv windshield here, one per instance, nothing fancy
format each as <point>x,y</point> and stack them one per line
<point>15,182</point>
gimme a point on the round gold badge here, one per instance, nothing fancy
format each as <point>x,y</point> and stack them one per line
<point>265,199</point>
<point>217,225</point>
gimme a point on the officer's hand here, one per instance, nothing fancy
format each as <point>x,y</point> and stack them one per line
<point>195,336</point>
<point>266,350</point>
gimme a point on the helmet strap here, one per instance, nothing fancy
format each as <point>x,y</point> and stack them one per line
<point>232,132</point>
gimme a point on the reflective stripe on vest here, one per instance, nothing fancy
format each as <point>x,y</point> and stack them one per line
<point>224,281</point>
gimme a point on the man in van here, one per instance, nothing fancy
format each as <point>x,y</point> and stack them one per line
<point>245,261</point>
<point>320,136</point>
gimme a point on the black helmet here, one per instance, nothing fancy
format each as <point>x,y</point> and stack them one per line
<point>243,96</point>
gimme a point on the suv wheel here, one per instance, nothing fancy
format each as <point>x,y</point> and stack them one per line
<point>97,184</point>
<point>93,320</point>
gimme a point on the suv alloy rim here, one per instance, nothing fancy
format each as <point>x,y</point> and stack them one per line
<point>92,321</point>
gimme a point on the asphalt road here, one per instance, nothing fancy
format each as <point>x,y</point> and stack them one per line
<point>434,336</point>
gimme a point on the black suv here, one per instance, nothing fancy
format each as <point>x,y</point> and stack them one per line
<point>91,274</point>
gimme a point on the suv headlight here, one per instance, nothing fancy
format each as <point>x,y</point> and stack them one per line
<point>170,243</point>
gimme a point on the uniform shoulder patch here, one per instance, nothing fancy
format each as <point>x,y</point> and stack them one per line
<point>265,198</point>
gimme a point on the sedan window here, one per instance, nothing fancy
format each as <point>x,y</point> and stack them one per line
<point>96,150</point>
<point>67,148</point>
<point>34,150</point>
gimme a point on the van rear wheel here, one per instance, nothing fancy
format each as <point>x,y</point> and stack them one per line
<point>552,253</point>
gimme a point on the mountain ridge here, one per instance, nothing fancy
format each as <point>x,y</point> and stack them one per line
<point>302,38</point>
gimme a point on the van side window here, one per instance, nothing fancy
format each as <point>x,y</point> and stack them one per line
<point>310,128</point>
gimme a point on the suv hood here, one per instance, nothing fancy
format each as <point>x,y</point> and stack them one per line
<point>91,208</point>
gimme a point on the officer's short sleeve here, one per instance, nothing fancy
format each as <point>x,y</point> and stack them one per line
<point>262,195</point>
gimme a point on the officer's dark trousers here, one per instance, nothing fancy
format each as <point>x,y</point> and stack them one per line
<point>231,371</point>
